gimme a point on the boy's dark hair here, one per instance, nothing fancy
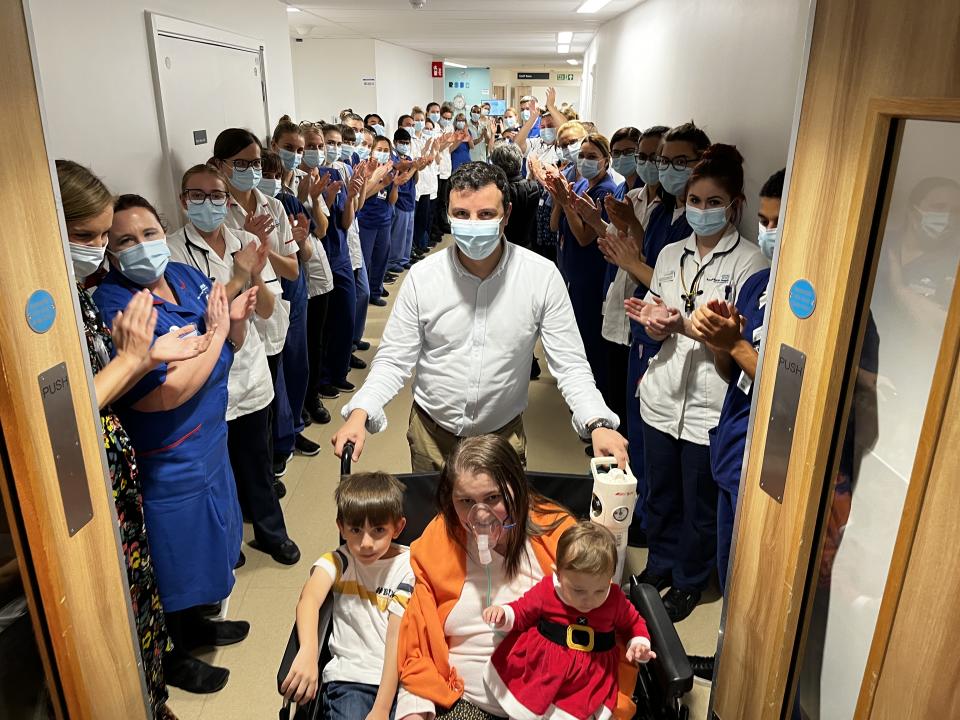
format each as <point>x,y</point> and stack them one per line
<point>370,497</point>
<point>773,187</point>
<point>270,162</point>
<point>476,175</point>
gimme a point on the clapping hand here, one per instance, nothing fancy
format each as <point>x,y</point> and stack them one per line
<point>620,212</point>
<point>330,192</point>
<point>654,316</point>
<point>619,248</point>
<point>218,311</point>
<point>551,97</point>
<point>180,344</point>
<point>260,225</point>
<point>300,226</point>
<point>719,324</point>
<point>243,305</point>
<point>587,209</point>
<point>133,327</point>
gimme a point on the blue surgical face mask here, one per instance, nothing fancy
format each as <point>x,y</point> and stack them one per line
<point>248,179</point>
<point>331,153</point>
<point>143,263</point>
<point>312,157</point>
<point>291,160</point>
<point>382,156</point>
<point>269,187</point>
<point>511,121</point>
<point>477,239</point>
<point>346,152</point>
<point>588,167</point>
<point>403,148</point>
<point>435,117</point>
<point>525,114</point>
<point>379,130</point>
<point>648,172</point>
<point>767,240</point>
<point>207,216</point>
<point>548,135</point>
<point>418,125</point>
<point>363,152</point>
<point>427,133</point>
<point>475,117</point>
<point>675,181</point>
<point>572,151</point>
<point>86,259</point>
<point>460,124</point>
<point>445,122</point>
<point>707,222</point>
<point>625,165</point>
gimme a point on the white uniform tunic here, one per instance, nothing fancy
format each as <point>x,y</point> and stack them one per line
<point>681,393</point>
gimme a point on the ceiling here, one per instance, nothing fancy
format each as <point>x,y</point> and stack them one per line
<point>473,32</point>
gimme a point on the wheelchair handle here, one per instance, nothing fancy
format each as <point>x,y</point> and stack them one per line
<point>346,459</point>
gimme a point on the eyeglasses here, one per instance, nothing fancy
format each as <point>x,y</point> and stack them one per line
<point>678,163</point>
<point>197,197</point>
<point>311,126</point>
<point>643,157</point>
<point>622,153</point>
<point>245,164</point>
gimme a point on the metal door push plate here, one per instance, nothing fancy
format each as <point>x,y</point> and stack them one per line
<point>783,420</point>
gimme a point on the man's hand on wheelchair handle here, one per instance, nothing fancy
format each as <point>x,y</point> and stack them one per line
<point>354,430</point>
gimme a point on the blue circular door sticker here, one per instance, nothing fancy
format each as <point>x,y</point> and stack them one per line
<point>803,299</point>
<point>41,311</point>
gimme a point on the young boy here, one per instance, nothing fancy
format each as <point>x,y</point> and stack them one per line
<point>372,581</point>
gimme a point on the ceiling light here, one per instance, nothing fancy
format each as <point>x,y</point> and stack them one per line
<point>564,38</point>
<point>453,64</point>
<point>563,49</point>
<point>292,9</point>
<point>592,6</point>
<point>571,61</point>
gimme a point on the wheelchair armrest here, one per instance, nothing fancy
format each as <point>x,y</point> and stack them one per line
<point>293,643</point>
<point>671,667</point>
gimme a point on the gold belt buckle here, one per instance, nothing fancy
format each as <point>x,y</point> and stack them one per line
<point>573,645</point>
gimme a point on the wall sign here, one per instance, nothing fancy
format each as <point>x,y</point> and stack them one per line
<point>566,77</point>
<point>368,81</point>
<point>199,137</point>
<point>436,68</point>
<point>41,311</point>
<point>803,299</point>
<point>533,76</point>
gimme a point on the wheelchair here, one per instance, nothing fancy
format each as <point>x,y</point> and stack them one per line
<point>661,683</point>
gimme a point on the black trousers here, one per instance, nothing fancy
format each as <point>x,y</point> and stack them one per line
<point>249,442</point>
<point>316,320</point>
<point>441,225</point>
<point>615,385</point>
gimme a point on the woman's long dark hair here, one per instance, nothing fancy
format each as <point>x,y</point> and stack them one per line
<point>494,456</point>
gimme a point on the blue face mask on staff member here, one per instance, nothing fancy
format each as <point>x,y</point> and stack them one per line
<point>477,239</point>
<point>707,222</point>
<point>143,263</point>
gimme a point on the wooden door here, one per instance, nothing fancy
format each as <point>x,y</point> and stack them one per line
<point>868,65</point>
<point>70,562</point>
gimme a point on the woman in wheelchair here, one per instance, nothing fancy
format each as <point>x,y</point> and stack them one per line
<point>561,656</point>
<point>493,541</point>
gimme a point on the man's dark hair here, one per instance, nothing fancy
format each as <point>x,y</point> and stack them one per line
<point>401,135</point>
<point>477,175</point>
<point>773,187</point>
<point>508,158</point>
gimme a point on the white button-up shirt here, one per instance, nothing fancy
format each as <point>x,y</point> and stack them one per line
<point>681,392</point>
<point>249,385</point>
<point>471,342</point>
<point>273,330</point>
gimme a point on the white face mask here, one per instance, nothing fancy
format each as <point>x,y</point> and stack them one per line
<point>86,259</point>
<point>934,224</point>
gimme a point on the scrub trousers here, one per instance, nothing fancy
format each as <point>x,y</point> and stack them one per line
<point>338,329</point>
<point>363,301</point>
<point>441,225</point>
<point>401,240</point>
<point>421,223</point>
<point>375,241</point>
<point>681,510</point>
<point>587,303</point>
<point>248,443</point>
<point>316,319</point>
<point>726,512</point>
<point>290,387</point>
<point>615,389</point>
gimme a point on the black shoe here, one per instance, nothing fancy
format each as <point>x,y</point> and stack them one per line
<point>407,266</point>
<point>356,363</point>
<point>305,446</point>
<point>680,603</point>
<point>363,345</point>
<point>279,466</point>
<point>306,419</point>
<point>389,279</point>
<point>535,369</point>
<point>209,610</point>
<point>384,294</point>
<point>379,302</point>
<point>192,675</point>
<point>280,489</point>
<point>241,561</point>
<point>329,392</point>
<point>345,386</point>
<point>286,553</point>
<point>318,412</point>
<point>702,666</point>
<point>215,633</point>
<point>648,578</point>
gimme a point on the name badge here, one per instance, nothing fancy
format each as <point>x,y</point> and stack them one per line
<point>744,383</point>
<point>668,276</point>
<point>757,335</point>
<point>195,333</point>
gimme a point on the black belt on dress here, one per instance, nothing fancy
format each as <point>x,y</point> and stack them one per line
<point>577,637</point>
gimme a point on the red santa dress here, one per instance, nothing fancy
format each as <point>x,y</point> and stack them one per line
<point>534,677</point>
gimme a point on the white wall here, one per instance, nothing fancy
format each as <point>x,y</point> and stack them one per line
<point>322,90</point>
<point>567,90</point>
<point>732,66</point>
<point>404,79</point>
<point>97,86</point>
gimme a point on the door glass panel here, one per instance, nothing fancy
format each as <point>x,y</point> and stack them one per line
<point>917,269</point>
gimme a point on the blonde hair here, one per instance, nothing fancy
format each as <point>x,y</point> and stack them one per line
<point>570,114</point>
<point>587,548</point>
<point>511,109</point>
<point>203,170</point>
<point>600,142</point>
<point>83,194</point>
<point>574,126</point>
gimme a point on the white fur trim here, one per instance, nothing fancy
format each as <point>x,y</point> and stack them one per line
<point>511,706</point>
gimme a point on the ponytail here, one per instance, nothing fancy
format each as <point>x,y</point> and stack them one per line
<point>284,127</point>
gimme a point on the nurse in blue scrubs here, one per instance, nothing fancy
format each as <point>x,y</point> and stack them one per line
<point>176,417</point>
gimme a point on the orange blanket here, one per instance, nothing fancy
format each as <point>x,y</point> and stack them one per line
<point>440,569</point>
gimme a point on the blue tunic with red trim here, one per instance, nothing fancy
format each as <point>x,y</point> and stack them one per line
<point>189,495</point>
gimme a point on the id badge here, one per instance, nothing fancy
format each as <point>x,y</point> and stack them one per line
<point>744,383</point>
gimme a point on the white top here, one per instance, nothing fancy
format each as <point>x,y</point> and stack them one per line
<point>273,330</point>
<point>471,342</point>
<point>470,639</point>
<point>444,163</point>
<point>478,153</point>
<point>546,154</point>
<point>319,274</point>
<point>616,324</point>
<point>427,179</point>
<point>249,385</point>
<point>364,597</point>
<point>681,392</point>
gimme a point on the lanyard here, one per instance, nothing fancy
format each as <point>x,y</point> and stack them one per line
<point>690,295</point>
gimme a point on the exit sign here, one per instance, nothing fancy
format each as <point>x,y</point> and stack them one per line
<point>561,77</point>
<point>437,68</point>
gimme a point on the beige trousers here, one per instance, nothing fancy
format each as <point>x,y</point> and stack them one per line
<point>431,444</point>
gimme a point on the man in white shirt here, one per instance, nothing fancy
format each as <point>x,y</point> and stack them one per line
<point>467,319</point>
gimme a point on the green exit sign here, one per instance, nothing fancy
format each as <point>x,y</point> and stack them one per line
<point>565,76</point>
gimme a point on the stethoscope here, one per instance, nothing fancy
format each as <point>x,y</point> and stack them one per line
<point>690,296</point>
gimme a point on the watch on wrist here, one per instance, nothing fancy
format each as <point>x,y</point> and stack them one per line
<point>599,423</point>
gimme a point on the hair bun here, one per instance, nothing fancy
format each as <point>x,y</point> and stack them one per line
<point>285,119</point>
<point>721,153</point>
